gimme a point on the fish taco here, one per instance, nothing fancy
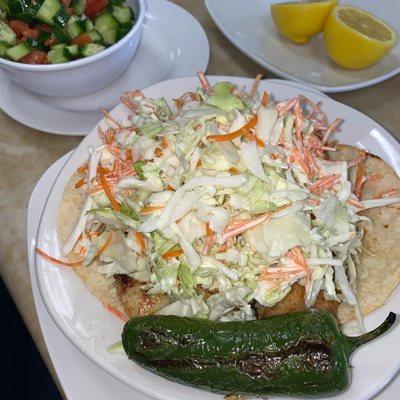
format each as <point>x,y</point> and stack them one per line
<point>231,206</point>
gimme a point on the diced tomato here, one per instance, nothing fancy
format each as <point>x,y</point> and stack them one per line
<point>93,7</point>
<point>51,41</point>
<point>35,57</point>
<point>46,28</point>
<point>82,39</point>
<point>22,30</point>
<point>66,3</point>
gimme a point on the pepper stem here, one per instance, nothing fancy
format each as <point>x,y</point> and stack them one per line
<point>357,341</point>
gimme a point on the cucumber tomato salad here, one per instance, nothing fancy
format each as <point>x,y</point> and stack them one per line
<point>58,31</point>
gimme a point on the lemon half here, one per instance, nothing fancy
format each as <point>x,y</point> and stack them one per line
<point>300,20</point>
<point>356,39</point>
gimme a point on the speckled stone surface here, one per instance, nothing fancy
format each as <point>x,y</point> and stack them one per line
<point>26,153</point>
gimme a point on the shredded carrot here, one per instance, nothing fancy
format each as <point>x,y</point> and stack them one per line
<point>80,183</point>
<point>158,152</point>
<point>312,202</point>
<point>170,188</point>
<point>203,82</point>
<point>82,169</point>
<point>150,209</point>
<point>255,85</point>
<point>332,128</point>
<point>228,233</point>
<point>106,244</point>
<point>102,170</point>
<point>110,118</point>
<point>109,137</point>
<point>164,142</point>
<point>324,183</point>
<point>56,260</point>
<point>386,193</point>
<point>209,231</point>
<point>360,179</point>
<point>94,233</point>
<point>109,193</point>
<point>223,248</point>
<point>128,155</point>
<point>361,156</point>
<point>355,203</point>
<point>373,177</point>
<point>127,103</point>
<point>208,244</point>
<point>234,171</point>
<point>223,138</point>
<point>230,136</point>
<point>298,120</point>
<point>251,136</point>
<point>142,242</point>
<point>172,253</point>
<point>185,98</point>
<point>116,312</point>
<point>265,99</point>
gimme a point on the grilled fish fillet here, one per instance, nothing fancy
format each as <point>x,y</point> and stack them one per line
<point>294,301</point>
<point>136,302</point>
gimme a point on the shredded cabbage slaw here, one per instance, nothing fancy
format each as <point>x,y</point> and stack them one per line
<point>229,194</point>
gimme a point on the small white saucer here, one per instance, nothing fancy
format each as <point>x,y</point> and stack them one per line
<point>166,51</point>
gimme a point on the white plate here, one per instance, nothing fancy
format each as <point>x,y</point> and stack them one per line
<point>249,26</point>
<point>164,53</point>
<point>86,323</point>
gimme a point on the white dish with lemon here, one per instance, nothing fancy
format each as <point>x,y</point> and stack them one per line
<point>250,27</point>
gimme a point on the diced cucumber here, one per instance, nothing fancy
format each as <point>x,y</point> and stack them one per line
<point>110,37</point>
<point>122,14</point>
<point>3,48</point>
<point>20,9</point>
<point>59,46</point>
<point>15,53</point>
<point>74,29</point>
<point>123,29</point>
<point>7,34</point>
<point>57,56</point>
<point>35,43</point>
<point>60,35</point>
<point>88,25</point>
<point>61,18</point>
<point>90,49</point>
<point>107,25</point>
<point>4,5</point>
<point>79,6</point>
<point>3,14</point>
<point>73,51</point>
<point>95,36</point>
<point>48,10</point>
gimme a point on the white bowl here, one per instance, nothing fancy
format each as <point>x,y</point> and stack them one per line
<point>83,76</point>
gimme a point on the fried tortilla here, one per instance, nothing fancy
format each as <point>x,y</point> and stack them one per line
<point>378,272</point>
<point>100,286</point>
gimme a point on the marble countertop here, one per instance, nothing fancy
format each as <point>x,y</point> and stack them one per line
<point>26,153</point>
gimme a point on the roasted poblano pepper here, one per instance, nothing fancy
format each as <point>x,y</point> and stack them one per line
<point>300,354</point>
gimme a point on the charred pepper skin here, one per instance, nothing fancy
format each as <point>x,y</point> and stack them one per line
<point>301,354</point>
